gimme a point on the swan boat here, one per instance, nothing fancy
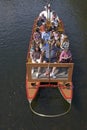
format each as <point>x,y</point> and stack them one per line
<point>63,72</point>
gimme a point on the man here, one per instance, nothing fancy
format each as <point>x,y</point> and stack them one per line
<point>50,51</point>
<point>46,35</point>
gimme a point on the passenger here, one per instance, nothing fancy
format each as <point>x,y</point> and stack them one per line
<point>40,43</point>
<point>57,38</point>
<point>55,17</point>
<point>41,20</point>
<point>36,58</point>
<point>65,56</point>
<point>64,42</point>
<point>46,35</point>
<point>37,35</point>
<point>42,29</point>
<point>52,27</point>
<point>62,37</point>
<point>56,35</point>
<point>55,21</point>
<point>32,48</point>
<point>36,55</point>
<point>50,51</point>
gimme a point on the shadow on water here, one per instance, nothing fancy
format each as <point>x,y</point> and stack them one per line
<point>50,102</point>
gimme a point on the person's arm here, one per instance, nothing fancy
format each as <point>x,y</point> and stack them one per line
<point>61,57</point>
<point>70,55</point>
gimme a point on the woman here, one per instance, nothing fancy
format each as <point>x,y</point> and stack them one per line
<point>65,56</point>
<point>36,58</point>
<point>64,41</point>
<point>37,35</point>
<point>36,55</point>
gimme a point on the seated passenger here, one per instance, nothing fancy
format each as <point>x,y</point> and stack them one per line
<point>36,58</point>
<point>55,17</point>
<point>52,27</point>
<point>37,35</point>
<point>64,42</point>
<point>46,35</point>
<point>32,48</point>
<point>42,29</point>
<point>56,36</point>
<point>65,56</point>
<point>41,20</point>
<point>50,51</point>
<point>36,55</point>
<point>62,37</point>
<point>55,21</point>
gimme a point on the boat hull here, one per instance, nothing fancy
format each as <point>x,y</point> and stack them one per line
<point>66,90</point>
<point>62,78</point>
<point>31,90</point>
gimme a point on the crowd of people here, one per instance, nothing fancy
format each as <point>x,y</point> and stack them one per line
<point>48,44</point>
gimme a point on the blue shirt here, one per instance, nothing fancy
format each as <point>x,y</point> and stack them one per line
<point>46,36</point>
<point>50,51</point>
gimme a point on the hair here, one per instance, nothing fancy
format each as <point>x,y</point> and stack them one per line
<point>38,48</point>
<point>37,29</point>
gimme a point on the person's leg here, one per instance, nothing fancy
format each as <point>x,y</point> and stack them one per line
<point>32,71</point>
<point>38,71</point>
<point>52,74</point>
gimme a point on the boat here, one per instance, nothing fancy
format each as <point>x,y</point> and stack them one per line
<point>64,71</point>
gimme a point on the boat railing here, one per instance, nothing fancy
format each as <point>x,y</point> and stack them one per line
<point>63,72</point>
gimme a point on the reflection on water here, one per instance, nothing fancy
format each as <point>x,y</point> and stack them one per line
<point>16,20</point>
<point>42,102</point>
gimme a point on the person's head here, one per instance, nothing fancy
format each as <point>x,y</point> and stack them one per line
<point>37,48</point>
<point>43,16</point>
<point>37,29</point>
<point>65,45</point>
<point>65,38</point>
